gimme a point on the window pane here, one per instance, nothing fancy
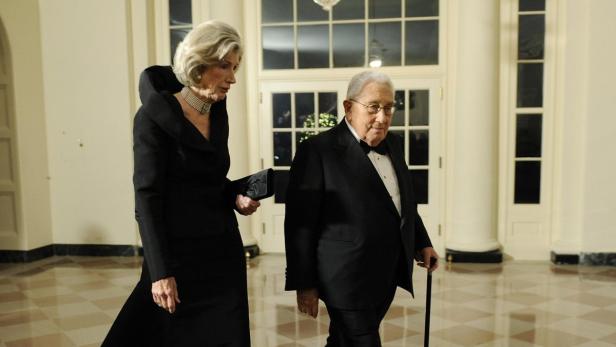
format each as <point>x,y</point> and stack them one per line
<point>281,105</point>
<point>281,181</point>
<point>528,135</point>
<point>398,117</point>
<point>421,42</point>
<point>349,45</point>
<point>308,10</point>
<point>531,37</point>
<point>176,36</point>
<point>418,147</point>
<point>282,149</point>
<point>420,185</point>
<point>532,5</point>
<point>304,110</point>
<point>276,11</point>
<point>385,41</point>
<point>530,85</point>
<point>421,8</point>
<point>384,8</point>
<point>527,182</point>
<point>419,107</point>
<point>313,46</point>
<point>349,9</point>
<point>278,47</point>
<point>328,109</point>
<point>180,12</point>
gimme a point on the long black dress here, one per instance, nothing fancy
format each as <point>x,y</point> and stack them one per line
<point>184,208</point>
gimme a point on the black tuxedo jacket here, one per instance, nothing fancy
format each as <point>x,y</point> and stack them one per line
<point>181,189</point>
<point>343,234</point>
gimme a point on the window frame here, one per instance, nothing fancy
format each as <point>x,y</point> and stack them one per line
<point>334,73</point>
<point>200,13</point>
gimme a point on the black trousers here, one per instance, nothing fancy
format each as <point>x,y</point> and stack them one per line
<point>360,327</point>
<point>357,328</point>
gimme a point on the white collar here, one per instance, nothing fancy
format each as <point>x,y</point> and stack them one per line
<point>352,130</point>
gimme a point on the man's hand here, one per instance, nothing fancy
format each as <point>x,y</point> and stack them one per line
<point>308,301</point>
<point>428,259</point>
<point>165,294</point>
<point>245,205</point>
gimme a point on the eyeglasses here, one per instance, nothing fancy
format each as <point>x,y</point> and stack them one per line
<point>376,108</point>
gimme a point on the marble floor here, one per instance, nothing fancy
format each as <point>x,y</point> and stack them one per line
<point>71,301</point>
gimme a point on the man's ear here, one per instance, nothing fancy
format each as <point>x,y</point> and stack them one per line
<point>347,106</point>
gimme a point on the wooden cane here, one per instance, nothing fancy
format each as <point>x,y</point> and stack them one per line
<point>428,304</point>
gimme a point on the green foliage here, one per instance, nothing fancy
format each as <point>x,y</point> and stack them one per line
<point>325,120</point>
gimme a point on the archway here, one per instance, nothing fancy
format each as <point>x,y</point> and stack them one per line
<point>9,176</point>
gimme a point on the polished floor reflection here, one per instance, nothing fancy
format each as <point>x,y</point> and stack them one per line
<point>71,301</point>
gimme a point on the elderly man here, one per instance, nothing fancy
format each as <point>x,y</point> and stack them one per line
<point>351,229</point>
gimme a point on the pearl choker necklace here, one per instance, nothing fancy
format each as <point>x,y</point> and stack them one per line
<point>195,102</point>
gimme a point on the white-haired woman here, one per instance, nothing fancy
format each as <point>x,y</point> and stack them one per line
<point>192,290</point>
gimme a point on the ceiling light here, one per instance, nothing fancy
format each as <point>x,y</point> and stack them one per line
<point>375,62</point>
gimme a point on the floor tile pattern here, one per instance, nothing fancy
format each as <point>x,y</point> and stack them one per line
<point>71,301</point>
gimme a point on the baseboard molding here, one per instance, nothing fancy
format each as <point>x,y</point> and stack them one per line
<point>96,250</point>
<point>9,256</point>
<point>252,251</point>
<point>92,250</point>
<point>598,259</point>
<point>584,258</point>
<point>490,257</point>
<point>564,259</point>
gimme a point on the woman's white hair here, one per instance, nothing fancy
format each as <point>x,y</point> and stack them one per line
<point>359,81</point>
<point>207,44</point>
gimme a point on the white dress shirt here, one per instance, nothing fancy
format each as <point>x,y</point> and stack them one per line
<point>385,169</point>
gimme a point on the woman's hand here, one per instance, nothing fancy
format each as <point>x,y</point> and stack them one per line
<point>245,205</point>
<point>165,294</point>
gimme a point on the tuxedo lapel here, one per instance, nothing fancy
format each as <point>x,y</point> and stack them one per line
<point>360,165</point>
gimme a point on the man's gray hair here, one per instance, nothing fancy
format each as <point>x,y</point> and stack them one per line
<point>359,81</point>
<point>205,45</point>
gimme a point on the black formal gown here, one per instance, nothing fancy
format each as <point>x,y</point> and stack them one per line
<point>185,211</point>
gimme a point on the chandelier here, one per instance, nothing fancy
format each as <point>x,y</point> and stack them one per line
<point>327,4</point>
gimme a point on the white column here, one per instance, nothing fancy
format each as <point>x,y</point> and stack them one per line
<point>473,127</point>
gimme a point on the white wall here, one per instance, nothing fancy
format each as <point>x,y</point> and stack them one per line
<point>21,23</point>
<point>570,109</point>
<point>586,193</point>
<point>599,209</point>
<point>74,70</point>
<point>88,99</point>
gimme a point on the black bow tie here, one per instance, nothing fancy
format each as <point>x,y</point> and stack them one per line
<point>380,148</point>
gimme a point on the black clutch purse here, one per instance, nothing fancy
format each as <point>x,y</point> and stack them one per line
<point>257,186</point>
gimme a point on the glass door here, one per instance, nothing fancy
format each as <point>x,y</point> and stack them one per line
<point>290,113</point>
<point>418,121</point>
